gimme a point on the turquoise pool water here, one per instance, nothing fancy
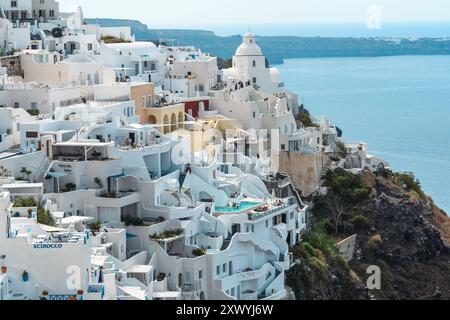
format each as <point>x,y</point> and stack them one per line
<point>245,205</point>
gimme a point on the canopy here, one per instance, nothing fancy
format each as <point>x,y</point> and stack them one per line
<point>51,229</point>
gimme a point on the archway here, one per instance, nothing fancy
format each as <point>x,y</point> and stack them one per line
<point>166,124</point>
<point>180,119</point>
<point>173,122</point>
<point>202,296</point>
<point>180,280</point>
<point>151,120</point>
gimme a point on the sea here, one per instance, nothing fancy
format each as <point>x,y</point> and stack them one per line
<point>399,105</point>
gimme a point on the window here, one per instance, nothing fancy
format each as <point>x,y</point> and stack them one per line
<point>201,88</point>
<point>283,147</point>
<point>31,134</point>
<point>267,223</point>
<point>200,274</point>
<point>277,220</point>
<point>144,101</point>
<point>254,114</point>
<point>218,270</point>
<point>224,268</point>
<point>13,4</point>
<point>254,79</point>
<point>89,46</point>
<point>150,101</point>
<point>33,105</point>
<point>254,63</point>
<point>51,13</point>
<point>16,105</point>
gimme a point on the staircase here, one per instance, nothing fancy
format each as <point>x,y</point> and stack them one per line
<point>14,292</point>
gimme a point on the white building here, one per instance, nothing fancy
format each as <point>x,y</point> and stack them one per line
<point>17,10</point>
<point>249,65</point>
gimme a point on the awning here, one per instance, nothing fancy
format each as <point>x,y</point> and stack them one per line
<point>118,177</point>
<point>75,220</point>
<point>50,229</point>
<point>57,175</point>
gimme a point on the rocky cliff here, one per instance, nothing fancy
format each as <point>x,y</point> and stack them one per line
<point>398,229</point>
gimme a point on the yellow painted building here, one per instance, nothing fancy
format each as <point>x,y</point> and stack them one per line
<point>168,117</point>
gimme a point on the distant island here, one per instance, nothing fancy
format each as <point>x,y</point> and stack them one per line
<point>278,48</point>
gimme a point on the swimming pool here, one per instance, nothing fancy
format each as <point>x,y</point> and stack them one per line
<point>245,205</point>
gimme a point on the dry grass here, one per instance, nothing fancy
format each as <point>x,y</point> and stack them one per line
<point>443,224</point>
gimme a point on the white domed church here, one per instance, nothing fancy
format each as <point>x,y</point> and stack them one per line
<point>249,65</point>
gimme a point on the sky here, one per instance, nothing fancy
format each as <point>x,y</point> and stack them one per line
<point>170,13</point>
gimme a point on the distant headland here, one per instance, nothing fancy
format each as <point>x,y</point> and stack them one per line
<point>278,48</point>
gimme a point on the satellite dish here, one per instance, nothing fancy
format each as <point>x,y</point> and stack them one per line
<point>57,33</point>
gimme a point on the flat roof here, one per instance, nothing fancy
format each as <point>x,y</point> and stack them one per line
<point>139,269</point>
<point>167,294</point>
<point>75,219</point>
<point>9,154</point>
<point>23,185</point>
<point>84,144</point>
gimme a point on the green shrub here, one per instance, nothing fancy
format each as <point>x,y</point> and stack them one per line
<point>348,186</point>
<point>409,181</point>
<point>373,243</point>
<point>45,217</point>
<point>25,203</point>
<point>359,222</point>
<point>320,240</point>
<point>199,252</point>
<point>95,226</point>
<point>133,221</point>
<point>167,234</point>
<point>342,149</point>
<point>306,119</point>
<point>33,112</point>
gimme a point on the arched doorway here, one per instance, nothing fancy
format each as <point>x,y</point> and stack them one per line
<point>180,119</point>
<point>173,122</point>
<point>166,124</point>
<point>202,296</point>
<point>151,120</point>
<point>180,280</point>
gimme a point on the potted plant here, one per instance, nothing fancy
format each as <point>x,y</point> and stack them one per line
<point>4,268</point>
<point>25,276</point>
<point>45,293</point>
<point>99,183</point>
<point>80,292</point>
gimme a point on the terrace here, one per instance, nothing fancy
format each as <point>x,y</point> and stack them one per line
<point>81,151</point>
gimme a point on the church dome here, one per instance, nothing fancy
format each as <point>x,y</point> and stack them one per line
<point>249,46</point>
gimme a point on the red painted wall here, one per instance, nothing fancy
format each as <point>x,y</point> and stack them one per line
<point>195,107</point>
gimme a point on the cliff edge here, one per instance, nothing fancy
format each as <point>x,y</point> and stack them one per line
<point>398,228</point>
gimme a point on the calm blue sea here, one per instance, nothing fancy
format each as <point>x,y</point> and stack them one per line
<point>399,105</point>
<point>416,29</point>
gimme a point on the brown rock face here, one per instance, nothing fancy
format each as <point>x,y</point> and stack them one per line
<point>414,254</point>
